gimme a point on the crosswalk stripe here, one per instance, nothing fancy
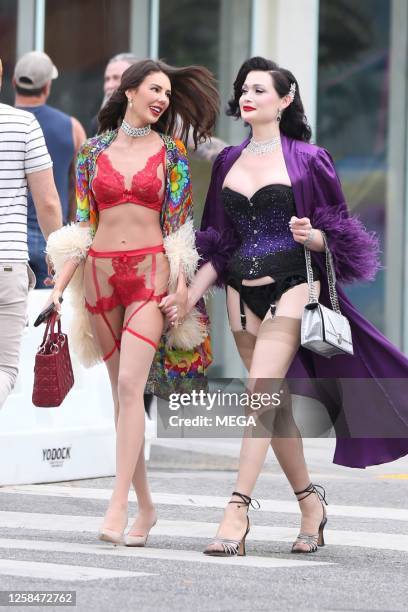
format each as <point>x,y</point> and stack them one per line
<point>196,529</point>
<point>153,553</point>
<point>206,501</point>
<point>59,571</point>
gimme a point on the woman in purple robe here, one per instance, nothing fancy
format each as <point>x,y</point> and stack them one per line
<point>268,198</point>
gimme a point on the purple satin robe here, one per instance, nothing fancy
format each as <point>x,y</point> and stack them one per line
<point>318,196</point>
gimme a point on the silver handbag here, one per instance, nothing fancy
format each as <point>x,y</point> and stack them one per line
<point>324,331</point>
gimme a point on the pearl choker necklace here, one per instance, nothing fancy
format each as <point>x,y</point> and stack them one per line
<point>135,132</point>
<point>263,147</point>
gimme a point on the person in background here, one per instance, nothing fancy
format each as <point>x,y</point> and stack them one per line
<point>24,163</point>
<point>115,67</point>
<point>63,135</point>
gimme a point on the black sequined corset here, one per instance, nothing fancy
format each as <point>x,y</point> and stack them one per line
<point>268,247</point>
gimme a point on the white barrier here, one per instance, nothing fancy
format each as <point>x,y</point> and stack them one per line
<point>75,440</point>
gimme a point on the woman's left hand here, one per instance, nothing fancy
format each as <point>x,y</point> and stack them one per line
<point>174,307</point>
<point>301,229</point>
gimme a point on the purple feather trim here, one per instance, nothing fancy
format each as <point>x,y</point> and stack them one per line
<point>217,248</point>
<point>355,250</point>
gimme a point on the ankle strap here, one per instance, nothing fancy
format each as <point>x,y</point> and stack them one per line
<point>312,488</point>
<point>245,500</point>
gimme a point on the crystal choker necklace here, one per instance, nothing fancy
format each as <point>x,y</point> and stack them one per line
<point>135,132</point>
<point>264,146</point>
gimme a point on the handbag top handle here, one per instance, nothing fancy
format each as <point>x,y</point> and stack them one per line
<point>331,277</point>
<point>50,327</point>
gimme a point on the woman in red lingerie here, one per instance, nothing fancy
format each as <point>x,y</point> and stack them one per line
<point>135,207</point>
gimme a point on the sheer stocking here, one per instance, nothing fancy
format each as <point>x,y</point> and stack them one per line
<point>244,335</point>
<point>276,345</point>
<point>128,370</point>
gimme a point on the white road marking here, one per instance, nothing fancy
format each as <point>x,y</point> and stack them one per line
<point>57,571</point>
<point>206,501</point>
<point>152,553</point>
<point>197,529</point>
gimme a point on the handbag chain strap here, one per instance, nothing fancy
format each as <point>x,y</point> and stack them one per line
<point>331,277</point>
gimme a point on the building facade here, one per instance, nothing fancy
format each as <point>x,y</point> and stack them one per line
<point>351,61</point>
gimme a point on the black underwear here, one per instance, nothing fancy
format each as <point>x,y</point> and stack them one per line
<point>261,298</point>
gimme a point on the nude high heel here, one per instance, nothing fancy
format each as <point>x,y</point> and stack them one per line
<point>114,537</point>
<point>138,540</point>
<point>108,535</point>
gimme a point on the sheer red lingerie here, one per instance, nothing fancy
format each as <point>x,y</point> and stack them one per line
<point>122,278</point>
<point>109,185</point>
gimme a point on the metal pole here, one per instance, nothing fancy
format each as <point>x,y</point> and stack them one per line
<point>39,25</point>
<point>154,29</point>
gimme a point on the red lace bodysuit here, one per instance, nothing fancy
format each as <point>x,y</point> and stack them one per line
<point>122,278</point>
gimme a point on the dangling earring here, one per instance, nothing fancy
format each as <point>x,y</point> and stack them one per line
<point>279,115</point>
<point>130,102</point>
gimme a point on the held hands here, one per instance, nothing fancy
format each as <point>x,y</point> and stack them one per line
<point>175,306</point>
<point>302,230</point>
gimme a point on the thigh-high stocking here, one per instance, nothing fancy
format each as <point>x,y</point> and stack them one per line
<point>276,345</point>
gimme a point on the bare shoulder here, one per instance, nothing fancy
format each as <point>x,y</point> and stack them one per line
<point>78,133</point>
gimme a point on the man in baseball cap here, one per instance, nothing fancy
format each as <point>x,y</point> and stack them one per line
<point>33,76</point>
<point>34,70</point>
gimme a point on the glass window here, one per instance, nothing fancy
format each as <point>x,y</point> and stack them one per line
<point>8,36</point>
<point>353,101</point>
<point>214,34</point>
<point>98,31</point>
<point>189,32</point>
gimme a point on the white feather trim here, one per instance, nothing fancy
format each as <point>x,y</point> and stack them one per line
<point>189,334</point>
<point>180,249</point>
<point>68,242</point>
<point>81,338</point>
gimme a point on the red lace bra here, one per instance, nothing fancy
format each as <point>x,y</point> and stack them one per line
<point>109,184</point>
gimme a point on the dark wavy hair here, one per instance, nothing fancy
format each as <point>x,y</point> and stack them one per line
<point>294,122</point>
<point>194,101</point>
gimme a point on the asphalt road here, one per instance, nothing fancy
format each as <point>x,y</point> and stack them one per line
<point>48,539</point>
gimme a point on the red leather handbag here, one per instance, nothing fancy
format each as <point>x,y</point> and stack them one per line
<point>53,375</point>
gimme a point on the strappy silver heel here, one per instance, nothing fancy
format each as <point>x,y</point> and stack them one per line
<point>315,540</point>
<point>232,548</point>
